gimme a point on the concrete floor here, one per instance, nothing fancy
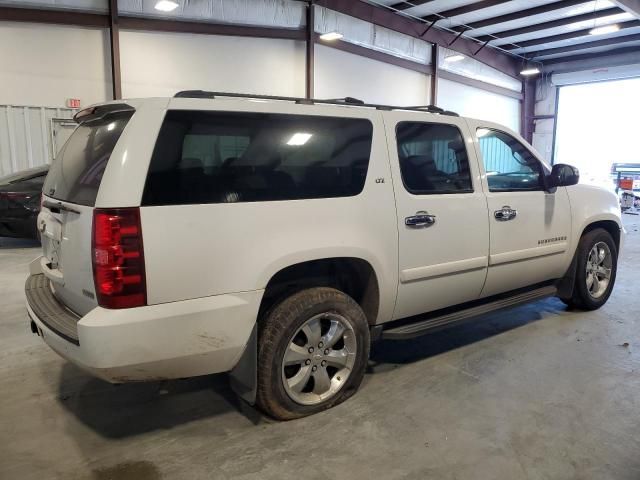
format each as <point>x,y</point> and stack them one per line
<point>533,393</point>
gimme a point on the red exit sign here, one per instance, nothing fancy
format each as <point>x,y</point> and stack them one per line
<point>73,102</point>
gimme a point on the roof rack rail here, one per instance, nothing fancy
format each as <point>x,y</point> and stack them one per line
<point>434,109</point>
<point>351,100</point>
<point>312,101</point>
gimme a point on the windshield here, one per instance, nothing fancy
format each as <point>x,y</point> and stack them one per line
<point>76,174</point>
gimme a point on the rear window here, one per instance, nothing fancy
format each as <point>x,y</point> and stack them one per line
<point>223,157</point>
<point>76,173</point>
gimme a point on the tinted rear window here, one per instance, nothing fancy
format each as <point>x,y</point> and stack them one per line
<point>223,157</point>
<point>76,173</point>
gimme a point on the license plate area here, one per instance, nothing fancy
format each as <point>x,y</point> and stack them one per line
<point>51,236</point>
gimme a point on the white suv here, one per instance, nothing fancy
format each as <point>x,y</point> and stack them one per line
<point>276,237</point>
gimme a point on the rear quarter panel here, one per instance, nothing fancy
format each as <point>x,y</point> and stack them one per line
<point>195,251</point>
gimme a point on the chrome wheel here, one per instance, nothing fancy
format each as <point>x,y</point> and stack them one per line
<point>599,265</point>
<point>319,359</point>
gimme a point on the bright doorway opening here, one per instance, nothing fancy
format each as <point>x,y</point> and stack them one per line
<point>598,126</point>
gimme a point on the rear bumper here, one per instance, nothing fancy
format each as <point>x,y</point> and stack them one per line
<point>172,340</point>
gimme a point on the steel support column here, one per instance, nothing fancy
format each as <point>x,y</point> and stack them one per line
<point>311,42</point>
<point>114,34</point>
<point>528,107</point>
<point>435,64</point>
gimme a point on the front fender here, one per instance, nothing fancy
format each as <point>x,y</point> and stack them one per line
<point>589,205</point>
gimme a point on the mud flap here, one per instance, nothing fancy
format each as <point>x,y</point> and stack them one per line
<point>244,376</point>
<point>565,284</point>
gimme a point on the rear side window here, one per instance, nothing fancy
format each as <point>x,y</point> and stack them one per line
<point>433,158</point>
<point>76,173</point>
<point>225,157</point>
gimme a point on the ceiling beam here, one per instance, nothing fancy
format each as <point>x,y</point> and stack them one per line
<point>552,24</point>
<point>473,7</point>
<point>525,13</point>
<point>566,36</point>
<point>56,17</point>
<point>179,26</point>
<point>587,61</point>
<point>583,46</point>
<point>403,24</point>
<point>409,4</point>
<point>631,6</point>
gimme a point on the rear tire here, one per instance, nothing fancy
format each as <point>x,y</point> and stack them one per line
<point>597,264</point>
<point>312,353</point>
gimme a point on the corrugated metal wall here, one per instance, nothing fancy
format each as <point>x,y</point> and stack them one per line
<point>27,136</point>
<point>498,157</point>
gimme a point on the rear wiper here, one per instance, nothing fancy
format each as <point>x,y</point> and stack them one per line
<point>56,207</point>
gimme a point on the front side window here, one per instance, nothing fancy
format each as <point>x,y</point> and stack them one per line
<point>433,158</point>
<point>226,157</point>
<point>508,164</point>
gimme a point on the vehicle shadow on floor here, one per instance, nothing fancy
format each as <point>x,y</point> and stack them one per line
<point>120,411</point>
<point>388,353</point>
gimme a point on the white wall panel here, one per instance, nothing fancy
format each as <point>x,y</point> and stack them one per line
<point>271,13</point>
<point>340,74</point>
<point>99,6</point>
<point>476,103</point>
<point>472,68</point>
<point>43,65</point>
<point>372,36</point>
<point>160,64</point>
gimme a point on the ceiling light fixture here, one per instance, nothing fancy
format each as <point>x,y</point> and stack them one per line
<point>166,5</point>
<point>454,58</point>
<point>604,29</point>
<point>329,36</point>
<point>530,71</point>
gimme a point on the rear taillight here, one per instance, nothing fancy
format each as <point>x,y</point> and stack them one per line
<point>118,258</point>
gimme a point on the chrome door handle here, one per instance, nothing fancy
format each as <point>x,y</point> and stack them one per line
<point>420,219</point>
<point>505,213</point>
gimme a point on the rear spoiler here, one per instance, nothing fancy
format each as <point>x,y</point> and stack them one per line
<point>100,111</point>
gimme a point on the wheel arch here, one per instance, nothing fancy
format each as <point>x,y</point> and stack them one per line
<point>354,276</point>
<point>566,283</point>
<point>611,226</point>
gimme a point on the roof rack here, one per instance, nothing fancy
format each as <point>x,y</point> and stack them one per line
<point>312,101</point>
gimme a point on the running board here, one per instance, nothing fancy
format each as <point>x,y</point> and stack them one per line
<point>420,327</point>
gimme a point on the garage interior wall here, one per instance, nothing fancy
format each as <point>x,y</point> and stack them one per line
<point>160,64</point>
<point>52,63</point>
<point>341,74</point>
<point>42,65</point>
<point>476,103</point>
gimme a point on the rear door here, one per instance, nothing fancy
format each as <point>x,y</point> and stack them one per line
<point>69,196</point>
<point>530,228</point>
<point>441,209</point>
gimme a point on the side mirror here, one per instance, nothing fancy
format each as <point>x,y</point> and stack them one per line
<point>562,175</point>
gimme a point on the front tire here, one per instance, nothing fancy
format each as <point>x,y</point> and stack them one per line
<point>597,264</point>
<point>312,353</point>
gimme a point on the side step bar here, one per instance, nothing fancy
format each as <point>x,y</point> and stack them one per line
<point>420,327</point>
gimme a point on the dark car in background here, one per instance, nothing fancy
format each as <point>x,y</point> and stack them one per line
<point>20,202</point>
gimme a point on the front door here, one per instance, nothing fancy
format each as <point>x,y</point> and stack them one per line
<point>529,227</point>
<point>442,212</point>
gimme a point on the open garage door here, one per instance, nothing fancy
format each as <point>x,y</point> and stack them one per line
<point>598,128</point>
